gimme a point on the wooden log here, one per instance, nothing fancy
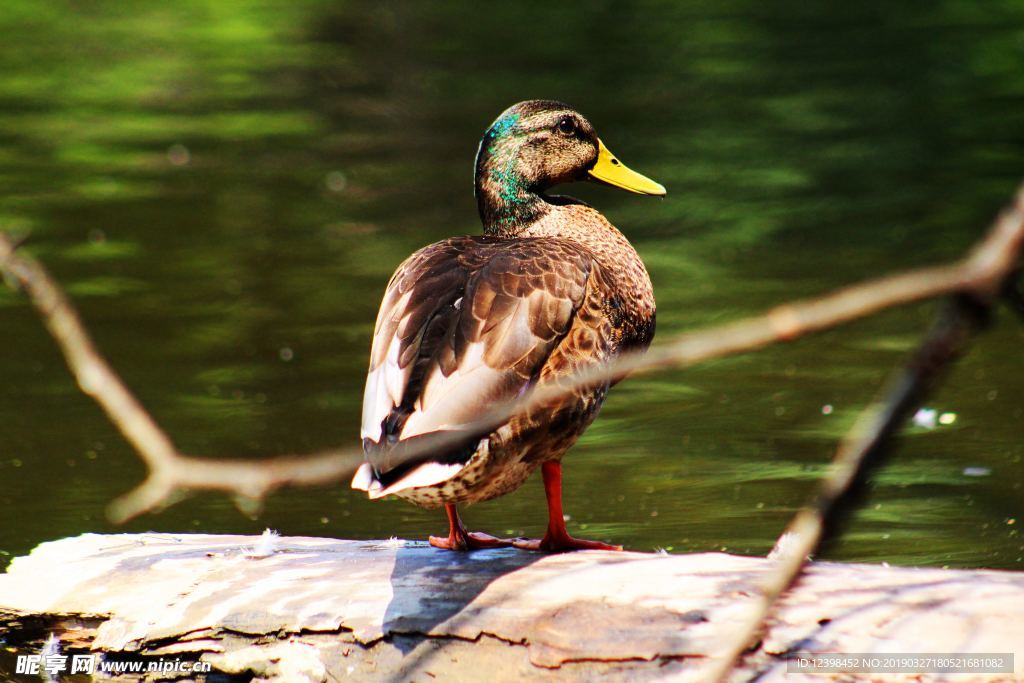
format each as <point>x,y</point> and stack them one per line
<point>295,609</point>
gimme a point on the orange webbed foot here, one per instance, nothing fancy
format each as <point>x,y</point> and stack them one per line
<point>562,545</point>
<point>557,538</point>
<point>470,540</point>
<point>460,539</point>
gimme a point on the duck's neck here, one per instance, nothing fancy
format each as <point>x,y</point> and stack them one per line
<point>507,201</point>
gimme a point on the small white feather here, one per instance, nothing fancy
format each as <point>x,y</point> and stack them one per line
<point>266,546</point>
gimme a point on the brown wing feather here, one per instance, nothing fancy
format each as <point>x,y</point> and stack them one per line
<point>464,323</point>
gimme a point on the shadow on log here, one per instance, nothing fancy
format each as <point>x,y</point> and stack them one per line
<point>314,609</point>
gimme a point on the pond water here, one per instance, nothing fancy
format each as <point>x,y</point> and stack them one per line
<point>225,191</point>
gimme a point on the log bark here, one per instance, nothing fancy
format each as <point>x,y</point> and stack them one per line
<point>322,609</point>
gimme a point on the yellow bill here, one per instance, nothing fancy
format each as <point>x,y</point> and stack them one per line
<point>611,171</point>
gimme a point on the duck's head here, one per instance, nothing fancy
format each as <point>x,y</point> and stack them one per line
<point>533,146</point>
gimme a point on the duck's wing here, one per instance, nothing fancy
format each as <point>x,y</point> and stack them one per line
<point>464,324</point>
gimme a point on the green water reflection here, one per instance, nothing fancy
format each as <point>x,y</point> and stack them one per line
<point>225,189</point>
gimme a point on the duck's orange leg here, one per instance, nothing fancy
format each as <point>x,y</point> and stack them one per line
<point>460,539</point>
<point>557,538</point>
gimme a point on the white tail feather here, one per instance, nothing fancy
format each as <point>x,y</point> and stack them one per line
<point>427,474</point>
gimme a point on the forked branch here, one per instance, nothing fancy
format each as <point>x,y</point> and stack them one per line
<point>983,273</point>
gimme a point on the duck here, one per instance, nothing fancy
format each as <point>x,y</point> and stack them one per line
<point>549,288</point>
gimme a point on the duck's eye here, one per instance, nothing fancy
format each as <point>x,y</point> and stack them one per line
<point>567,126</point>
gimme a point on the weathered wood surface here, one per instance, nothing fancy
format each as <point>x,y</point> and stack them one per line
<point>322,609</point>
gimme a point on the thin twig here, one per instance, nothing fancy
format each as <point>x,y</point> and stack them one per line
<point>93,374</point>
<point>861,452</point>
<point>171,472</point>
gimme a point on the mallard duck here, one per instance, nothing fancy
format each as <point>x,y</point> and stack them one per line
<point>465,323</point>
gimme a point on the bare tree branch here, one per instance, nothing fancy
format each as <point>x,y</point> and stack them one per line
<point>170,472</point>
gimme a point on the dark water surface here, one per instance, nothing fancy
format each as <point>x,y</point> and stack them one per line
<point>225,190</point>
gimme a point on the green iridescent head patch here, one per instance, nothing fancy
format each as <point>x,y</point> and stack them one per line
<point>503,126</point>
